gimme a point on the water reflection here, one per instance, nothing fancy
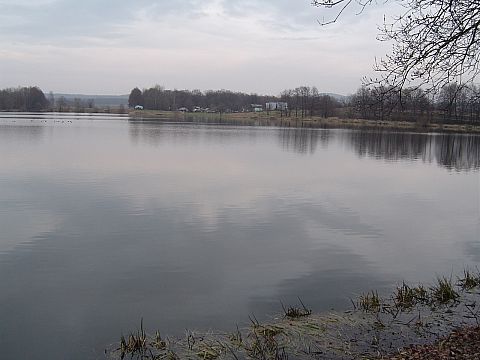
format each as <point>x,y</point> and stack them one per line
<point>154,132</point>
<point>459,152</point>
<point>147,132</point>
<point>99,270</point>
<point>453,151</point>
<point>21,132</point>
<point>390,146</point>
<point>303,140</point>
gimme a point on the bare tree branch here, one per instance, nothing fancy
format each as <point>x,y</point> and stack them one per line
<point>435,42</point>
<point>342,4</point>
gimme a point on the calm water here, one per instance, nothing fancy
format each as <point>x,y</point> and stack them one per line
<point>105,221</point>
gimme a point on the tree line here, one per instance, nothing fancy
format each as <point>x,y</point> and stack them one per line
<point>23,99</point>
<point>33,99</point>
<point>159,98</point>
<point>454,103</point>
<point>302,101</point>
<point>81,105</point>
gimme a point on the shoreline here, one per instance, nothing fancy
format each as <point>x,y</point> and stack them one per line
<point>264,119</point>
<point>274,120</point>
<point>413,320</point>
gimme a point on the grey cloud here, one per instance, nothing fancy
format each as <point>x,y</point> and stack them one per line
<point>283,14</point>
<point>53,21</point>
<point>88,18</point>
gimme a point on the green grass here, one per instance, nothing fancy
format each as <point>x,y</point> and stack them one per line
<point>369,302</point>
<point>406,297</point>
<point>444,291</point>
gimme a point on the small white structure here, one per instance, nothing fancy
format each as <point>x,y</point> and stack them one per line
<point>256,107</point>
<point>138,107</point>
<point>183,109</point>
<point>282,106</point>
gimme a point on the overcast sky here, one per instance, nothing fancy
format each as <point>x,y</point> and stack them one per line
<point>111,46</point>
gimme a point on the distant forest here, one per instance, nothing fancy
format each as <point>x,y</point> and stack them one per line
<point>453,104</point>
<point>302,102</point>
<point>34,99</point>
<point>23,99</point>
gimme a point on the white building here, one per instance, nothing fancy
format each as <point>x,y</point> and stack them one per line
<point>256,107</point>
<point>276,106</point>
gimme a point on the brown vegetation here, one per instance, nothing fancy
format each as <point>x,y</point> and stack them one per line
<point>461,344</point>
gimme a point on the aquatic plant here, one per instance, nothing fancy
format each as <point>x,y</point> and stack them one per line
<point>443,291</point>
<point>406,297</point>
<point>134,344</point>
<point>158,342</point>
<point>294,312</point>
<point>369,302</point>
<point>469,280</point>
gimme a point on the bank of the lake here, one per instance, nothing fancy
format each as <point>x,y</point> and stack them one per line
<point>277,119</point>
<point>440,321</point>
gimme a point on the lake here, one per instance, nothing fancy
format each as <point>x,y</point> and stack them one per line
<point>106,220</point>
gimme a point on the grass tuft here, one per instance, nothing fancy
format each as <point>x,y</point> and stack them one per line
<point>208,352</point>
<point>369,302</point>
<point>236,338</point>
<point>263,344</point>
<point>406,297</point>
<point>443,291</point>
<point>158,342</point>
<point>134,344</point>
<point>295,312</point>
<point>469,280</point>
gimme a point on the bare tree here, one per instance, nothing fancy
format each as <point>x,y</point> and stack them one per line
<point>328,105</point>
<point>62,104</point>
<point>23,99</point>
<point>435,42</point>
<point>78,105</point>
<point>51,100</point>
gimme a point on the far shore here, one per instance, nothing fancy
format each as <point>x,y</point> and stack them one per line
<point>275,119</point>
<point>278,120</point>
